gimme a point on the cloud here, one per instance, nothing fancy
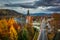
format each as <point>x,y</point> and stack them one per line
<point>18,3</point>
<point>34,4</point>
<point>1,5</point>
<point>47,3</point>
<point>54,9</point>
<point>24,10</point>
<point>15,1</point>
<point>41,9</point>
<point>23,5</point>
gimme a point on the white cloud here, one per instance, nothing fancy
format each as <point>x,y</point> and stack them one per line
<point>15,1</point>
<point>24,1</point>
<point>1,5</point>
<point>40,10</point>
<point>24,10</point>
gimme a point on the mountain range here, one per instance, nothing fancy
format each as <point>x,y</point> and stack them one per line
<point>40,14</point>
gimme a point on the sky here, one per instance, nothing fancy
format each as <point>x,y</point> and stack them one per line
<point>34,6</point>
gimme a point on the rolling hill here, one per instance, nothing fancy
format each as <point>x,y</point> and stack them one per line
<point>8,12</point>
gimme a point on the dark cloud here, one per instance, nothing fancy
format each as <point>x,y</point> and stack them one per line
<point>55,9</point>
<point>47,3</point>
<point>36,4</point>
<point>21,5</point>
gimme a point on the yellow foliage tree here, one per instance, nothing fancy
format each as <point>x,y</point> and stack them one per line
<point>11,21</point>
<point>13,33</point>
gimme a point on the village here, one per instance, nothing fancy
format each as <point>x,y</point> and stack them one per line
<point>29,27</point>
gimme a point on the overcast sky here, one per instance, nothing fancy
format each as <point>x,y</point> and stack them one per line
<point>35,6</point>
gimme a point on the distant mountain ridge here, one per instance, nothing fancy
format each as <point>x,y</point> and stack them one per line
<point>40,14</point>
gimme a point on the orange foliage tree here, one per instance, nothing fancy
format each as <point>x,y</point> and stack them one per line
<point>56,17</point>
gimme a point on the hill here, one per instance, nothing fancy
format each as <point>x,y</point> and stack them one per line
<point>8,12</point>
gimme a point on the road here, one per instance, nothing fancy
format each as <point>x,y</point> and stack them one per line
<point>43,33</point>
